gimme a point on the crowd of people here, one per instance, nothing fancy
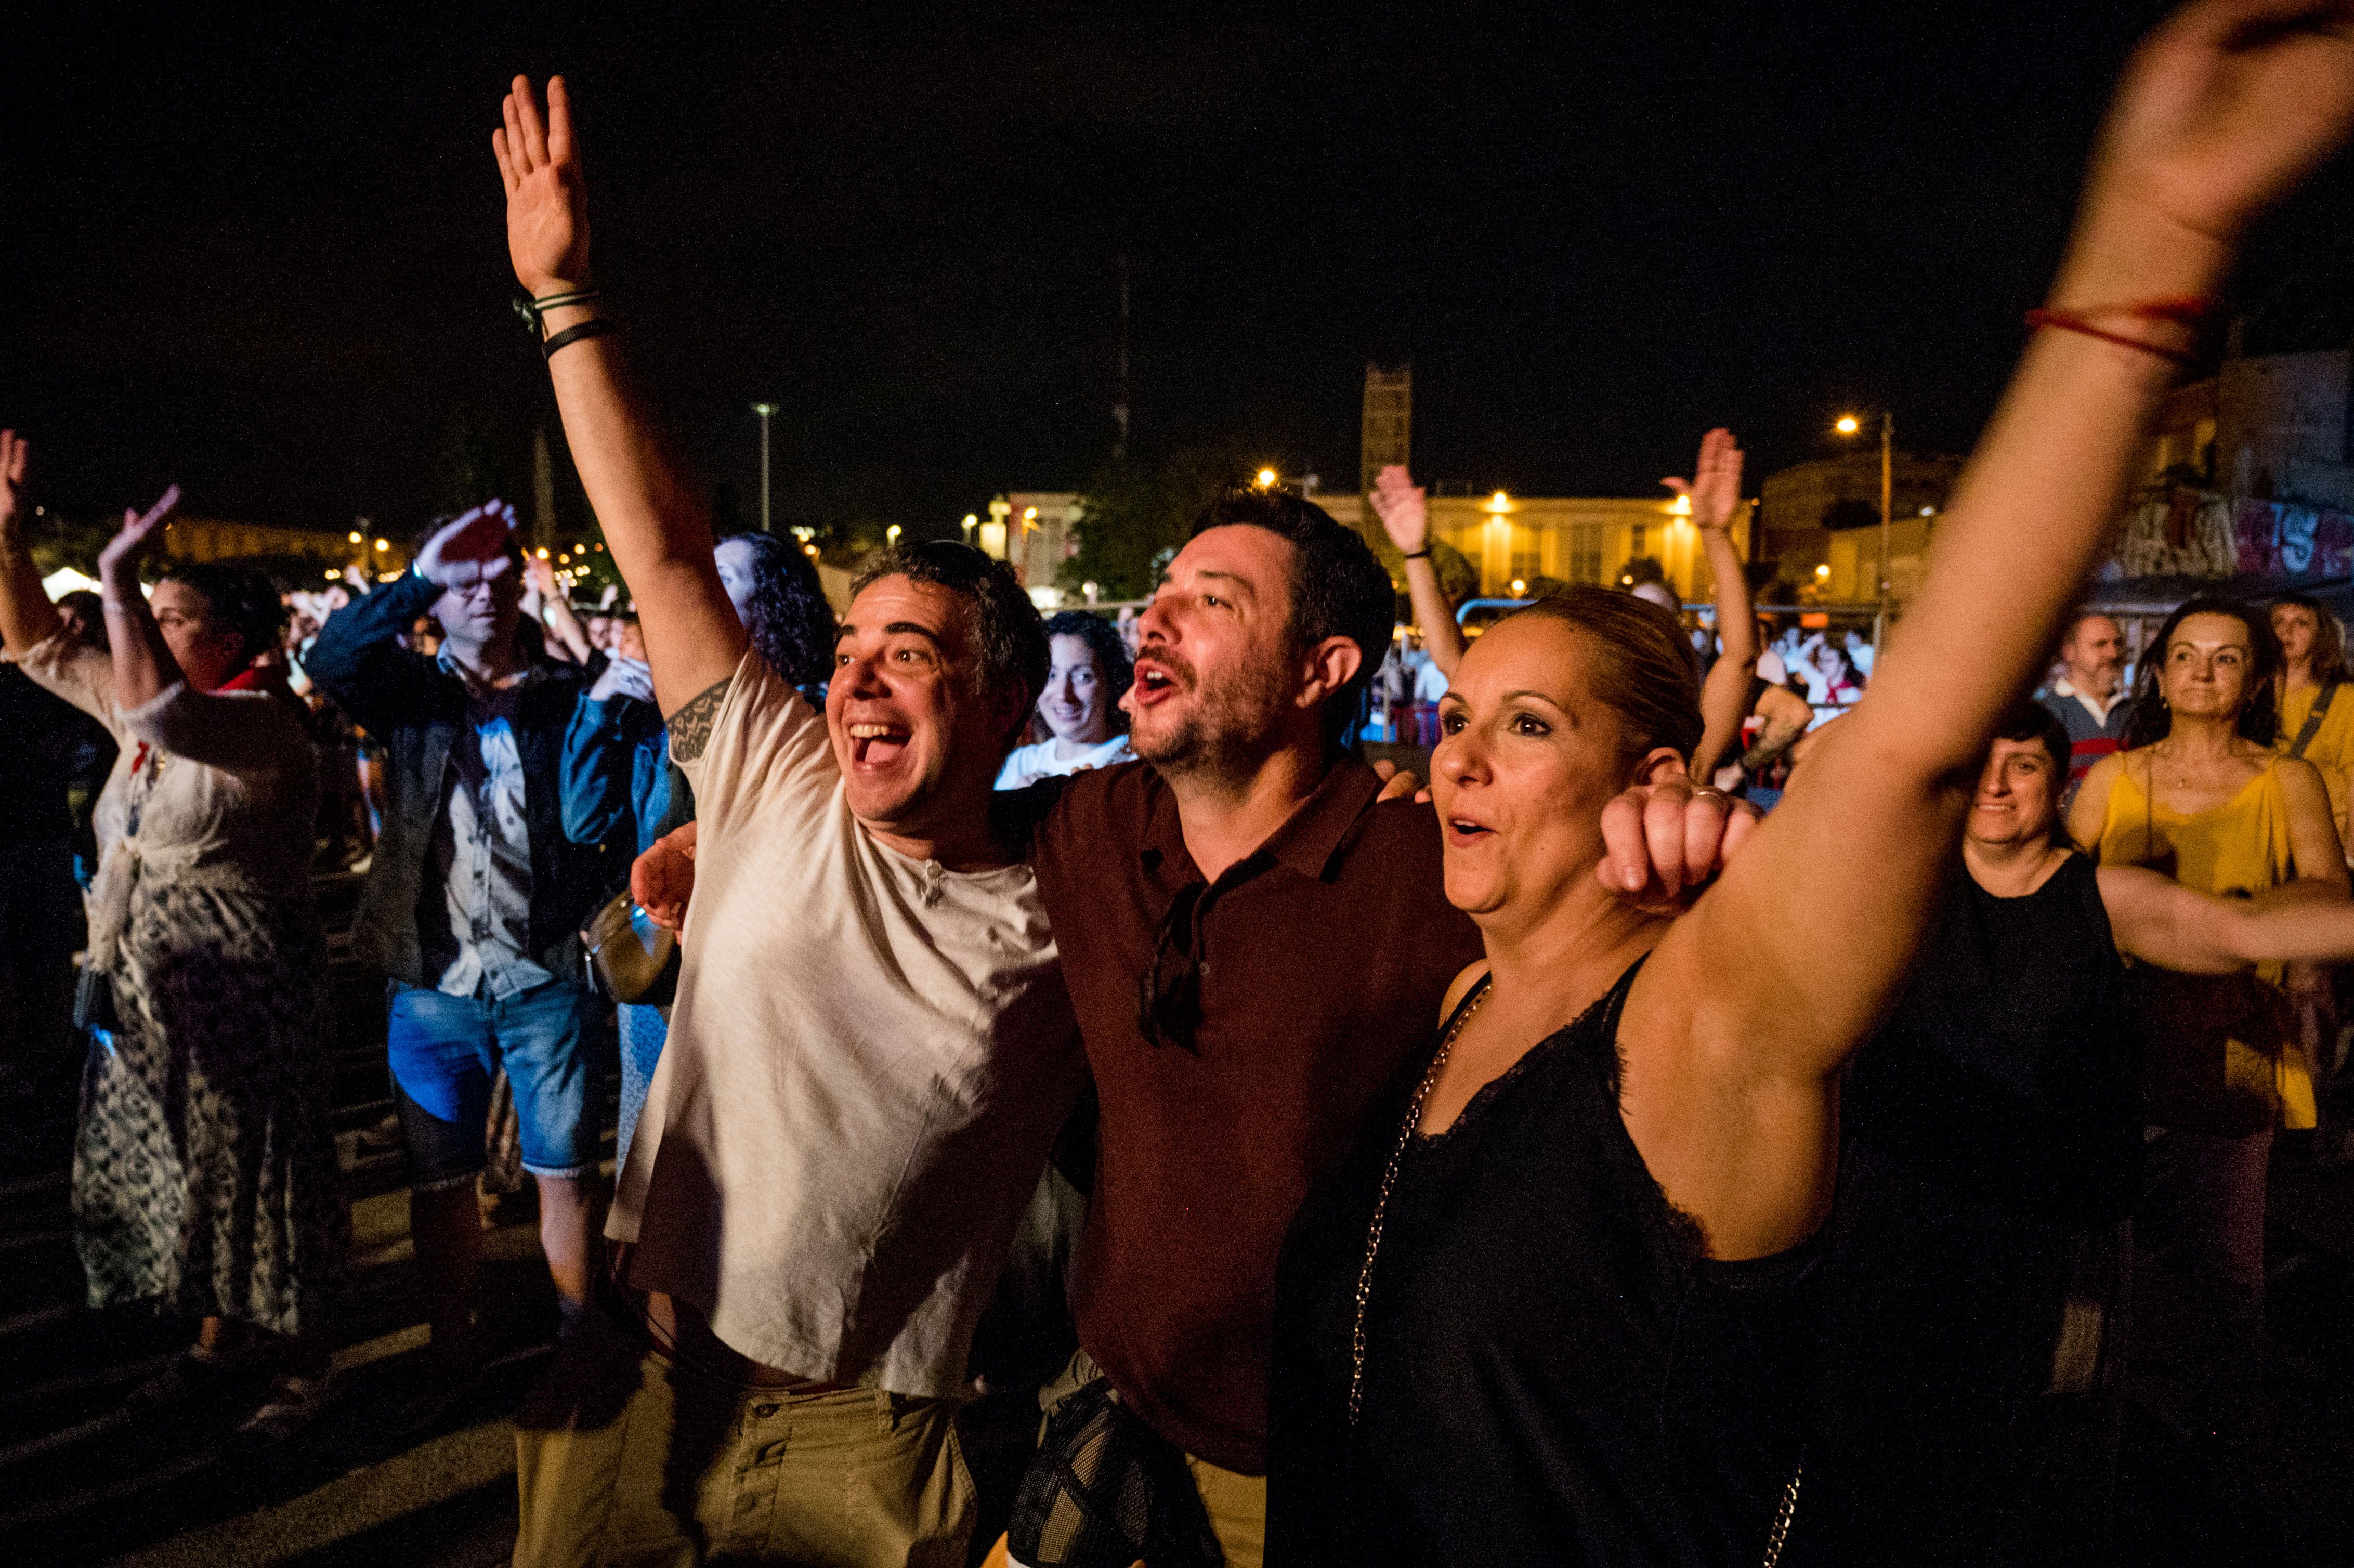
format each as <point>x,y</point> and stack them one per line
<point>1566,1161</point>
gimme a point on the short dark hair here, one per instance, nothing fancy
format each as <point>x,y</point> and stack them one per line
<point>791,624</point>
<point>1115,666</point>
<point>2259,718</point>
<point>237,599</point>
<point>1338,586</point>
<point>2029,720</point>
<point>1012,638</point>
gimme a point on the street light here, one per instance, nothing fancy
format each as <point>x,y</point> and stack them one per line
<point>891,534</point>
<point>1848,425</point>
<point>1267,479</point>
<point>764,411</point>
<point>971,523</point>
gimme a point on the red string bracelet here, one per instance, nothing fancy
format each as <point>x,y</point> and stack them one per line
<point>2189,311</point>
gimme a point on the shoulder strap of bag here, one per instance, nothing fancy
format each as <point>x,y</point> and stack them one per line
<point>2313,720</point>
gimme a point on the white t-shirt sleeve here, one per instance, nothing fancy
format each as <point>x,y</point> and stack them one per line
<point>768,752</point>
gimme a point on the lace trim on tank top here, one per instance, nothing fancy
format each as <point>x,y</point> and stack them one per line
<point>1601,1018</point>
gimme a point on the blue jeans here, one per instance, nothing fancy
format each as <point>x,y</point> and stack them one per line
<point>445,1051</point>
<point>643,1031</point>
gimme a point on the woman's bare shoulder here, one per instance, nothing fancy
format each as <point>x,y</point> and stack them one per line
<point>1460,988</point>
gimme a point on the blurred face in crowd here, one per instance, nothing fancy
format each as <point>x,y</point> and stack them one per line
<point>1215,669</point>
<point>1073,703</point>
<point>629,641</point>
<point>599,630</point>
<point>208,654</point>
<point>2018,799</point>
<point>478,611</point>
<point>2095,655</point>
<point>1832,662</point>
<point>914,733</point>
<point>734,559</point>
<point>2208,661</point>
<point>2297,630</point>
<point>1527,757</point>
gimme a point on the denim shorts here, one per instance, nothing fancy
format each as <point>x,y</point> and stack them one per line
<point>445,1051</point>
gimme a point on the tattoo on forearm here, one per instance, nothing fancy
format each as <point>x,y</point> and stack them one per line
<point>690,727</point>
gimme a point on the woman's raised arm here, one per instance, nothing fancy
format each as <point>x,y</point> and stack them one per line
<point>1714,491</point>
<point>1734,1035</point>
<point>27,619</point>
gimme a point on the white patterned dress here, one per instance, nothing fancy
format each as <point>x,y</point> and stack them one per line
<point>204,1176</point>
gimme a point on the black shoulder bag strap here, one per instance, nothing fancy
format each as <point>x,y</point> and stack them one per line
<point>2313,720</point>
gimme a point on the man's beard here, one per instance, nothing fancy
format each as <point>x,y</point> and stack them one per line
<point>1227,735</point>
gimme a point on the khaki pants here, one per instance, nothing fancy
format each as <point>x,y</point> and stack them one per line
<point>627,1459</point>
<point>1235,1504</point>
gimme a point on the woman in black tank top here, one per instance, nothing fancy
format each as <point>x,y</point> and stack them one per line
<point>1541,1362</point>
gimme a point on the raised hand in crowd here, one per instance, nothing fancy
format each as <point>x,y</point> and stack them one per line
<point>1404,512</point>
<point>143,661</point>
<point>547,605</point>
<point>26,616</point>
<point>655,521</point>
<point>472,548</point>
<point>1714,493</point>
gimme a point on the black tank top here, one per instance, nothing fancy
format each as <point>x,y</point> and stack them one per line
<point>2008,1073</point>
<point>1554,1371</point>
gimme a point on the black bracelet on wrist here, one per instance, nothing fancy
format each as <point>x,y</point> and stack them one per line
<point>595,326</point>
<point>532,310</point>
<point>1421,554</point>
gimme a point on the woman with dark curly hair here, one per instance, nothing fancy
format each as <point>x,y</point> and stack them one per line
<point>618,778</point>
<point>1080,705</point>
<point>204,1176</point>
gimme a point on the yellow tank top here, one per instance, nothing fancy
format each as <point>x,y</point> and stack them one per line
<point>2332,748</point>
<point>2239,847</point>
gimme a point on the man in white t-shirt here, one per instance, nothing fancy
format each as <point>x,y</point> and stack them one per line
<point>872,1048</point>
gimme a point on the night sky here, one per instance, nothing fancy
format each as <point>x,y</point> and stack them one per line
<point>266,258</point>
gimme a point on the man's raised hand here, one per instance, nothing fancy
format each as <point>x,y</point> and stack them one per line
<point>547,205</point>
<point>473,546</point>
<point>1714,487</point>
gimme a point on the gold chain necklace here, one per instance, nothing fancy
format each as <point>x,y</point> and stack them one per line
<point>1389,1183</point>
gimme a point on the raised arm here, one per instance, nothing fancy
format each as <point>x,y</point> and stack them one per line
<point>1714,491</point>
<point>1404,513</point>
<point>2223,109</point>
<point>555,612</point>
<point>654,524</point>
<point>143,665</point>
<point>27,619</point>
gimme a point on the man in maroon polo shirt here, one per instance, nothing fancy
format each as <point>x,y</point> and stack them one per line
<point>1255,945</point>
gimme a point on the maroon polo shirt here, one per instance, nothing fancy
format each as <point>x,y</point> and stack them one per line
<point>1325,955</point>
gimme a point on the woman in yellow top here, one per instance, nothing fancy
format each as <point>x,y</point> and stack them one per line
<point>2200,794</point>
<point>2313,664</point>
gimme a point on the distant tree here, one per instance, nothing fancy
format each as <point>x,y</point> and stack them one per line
<point>469,467</point>
<point>1135,514</point>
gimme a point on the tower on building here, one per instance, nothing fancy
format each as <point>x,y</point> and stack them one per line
<point>1389,423</point>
